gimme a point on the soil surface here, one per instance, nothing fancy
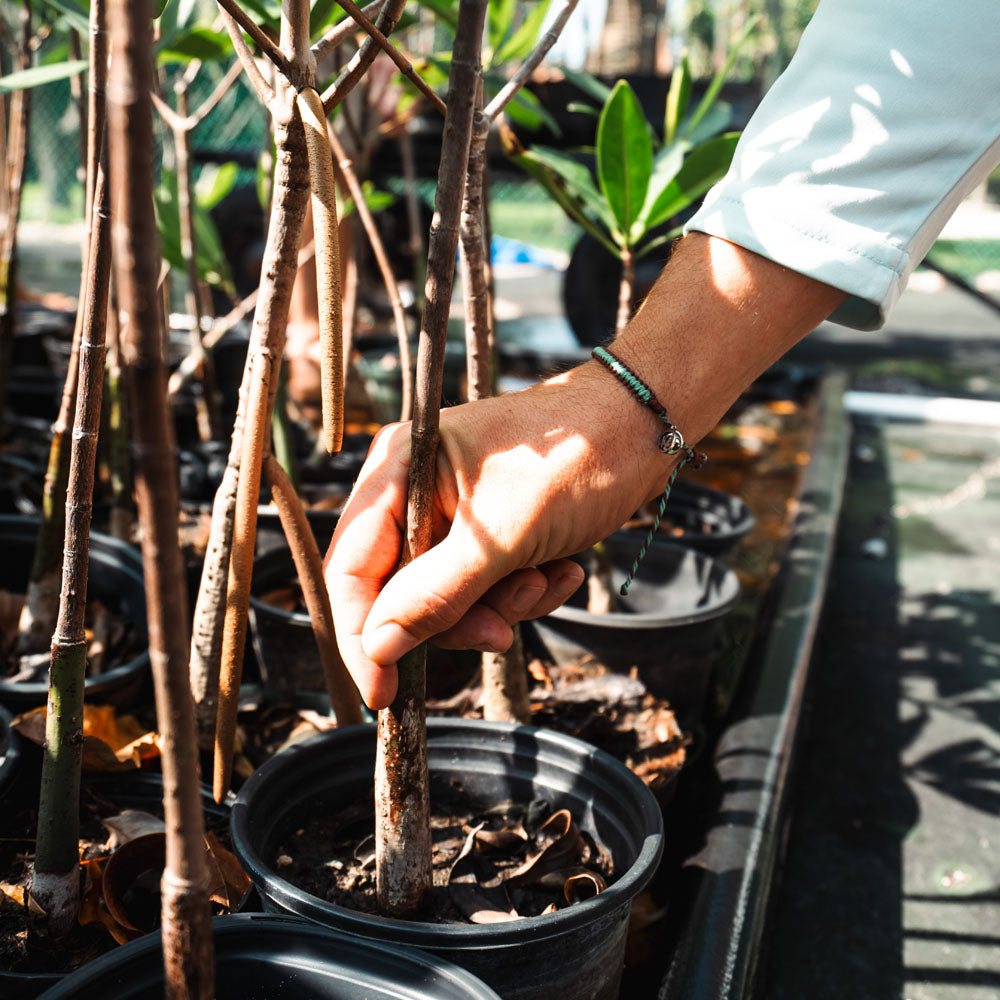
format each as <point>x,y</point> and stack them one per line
<point>491,862</point>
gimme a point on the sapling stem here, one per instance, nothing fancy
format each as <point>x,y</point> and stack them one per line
<point>56,875</point>
<point>41,604</point>
<point>327,237</point>
<point>344,696</point>
<point>402,800</point>
<point>625,291</point>
<point>118,436</point>
<point>187,935</point>
<point>281,430</point>
<point>267,340</point>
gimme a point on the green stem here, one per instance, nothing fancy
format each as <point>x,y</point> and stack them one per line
<point>281,430</point>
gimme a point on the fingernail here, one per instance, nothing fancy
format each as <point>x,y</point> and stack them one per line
<point>568,582</point>
<point>388,643</point>
<point>525,598</point>
<point>487,647</point>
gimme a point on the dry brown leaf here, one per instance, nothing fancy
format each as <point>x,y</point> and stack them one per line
<point>130,824</point>
<point>229,882</point>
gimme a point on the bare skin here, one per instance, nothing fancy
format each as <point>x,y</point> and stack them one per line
<point>526,480</point>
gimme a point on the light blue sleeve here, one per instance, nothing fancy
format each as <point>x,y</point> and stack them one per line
<point>886,118</point>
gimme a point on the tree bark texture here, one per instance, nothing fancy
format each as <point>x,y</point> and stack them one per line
<point>402,808</point>
<point>288,205</point>
<point>187,935</point>
<point>56,880</point>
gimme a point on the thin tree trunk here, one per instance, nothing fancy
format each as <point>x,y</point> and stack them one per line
<point>402,806</point>
<point>187,935</point>
<point>291,193</point>
<point>625,292</point>
<point>350,179</point>
<point>56,876</point>
<point>41,605</point>
<point>220,607</point>
<point>505,684</point>
<point>309,565</point>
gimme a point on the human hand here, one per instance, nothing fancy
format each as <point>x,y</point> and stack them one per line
<point>522,482</point>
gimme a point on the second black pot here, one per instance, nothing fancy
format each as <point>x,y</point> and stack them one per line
<point>115,577</point>
<point>575,953</point>
<point>263,956</point>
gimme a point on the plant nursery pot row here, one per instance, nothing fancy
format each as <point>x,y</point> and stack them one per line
<point>115,578</point>
<point>575,953</point>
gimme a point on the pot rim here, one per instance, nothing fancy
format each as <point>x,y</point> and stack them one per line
<point>458,936</point>
<point>728,594</point>
<point>235,924</point>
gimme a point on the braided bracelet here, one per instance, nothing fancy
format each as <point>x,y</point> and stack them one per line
<point>670,442</point>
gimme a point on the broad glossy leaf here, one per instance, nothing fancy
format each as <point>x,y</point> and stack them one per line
<point>214,182</point>
<point>556,188</point>
<point>36,76</point>
<point>520,44</point>
<point>376,199</point>
<point>704,166</point>
<point>579,182</point>
<point>624,155</point>
<point>678,98</point>
<point>198,42</point>
<point>720,78</point>
<point>666,165</point>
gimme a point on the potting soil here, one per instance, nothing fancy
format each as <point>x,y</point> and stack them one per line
<point>491,861</point>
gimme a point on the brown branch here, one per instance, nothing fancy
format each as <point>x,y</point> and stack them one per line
<point>245,56</point>
<point>402,814</point>
<point>278,267</point>
<point>473,256</point>
<point>538,53</point>
<point>309,565</point>
<point>358,64</point>
<point>327,239</point>
<point>402,63</point>
<point>187,935</point>
<point>267,46</point>
<point>339,33</point>
<point>350,178</point>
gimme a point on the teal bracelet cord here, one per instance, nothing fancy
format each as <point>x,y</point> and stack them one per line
<point>670,442</point>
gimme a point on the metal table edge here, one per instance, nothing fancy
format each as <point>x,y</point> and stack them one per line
<point>715,955</point>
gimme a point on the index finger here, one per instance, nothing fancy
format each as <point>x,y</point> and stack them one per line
<point>363,555</point>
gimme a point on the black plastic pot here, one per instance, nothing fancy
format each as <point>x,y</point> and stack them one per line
<point>667,625</point>
<point>115,577</point>
<point>267,956</point>
<point>572,954</point>
<point>710,520</point>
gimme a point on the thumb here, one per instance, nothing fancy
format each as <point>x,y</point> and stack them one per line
<point>429,595</point>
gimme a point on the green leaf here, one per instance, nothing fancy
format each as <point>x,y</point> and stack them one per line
<point>624,155</point>
<point>705,165</point>
<point>214,182</point>
<point>556,188</point>
<point>77,14</point>
<point>678,98</point>
<point>198,42</point>
<point>579,108</point>
<point>590,85</point>
<point>578,181</point>
<point>715,121</point>
<point>158,6</point>
<point>324,14</point>
<point>267,12</point>
<point>210,259</point>
<point>520,44</point>
<point>500,18</point>
<point>720,77</point>
<point>658,242</point>
<point>666,165</point>
<point>527,110</point>
<point>36,76</point>
<point>376,199</point>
